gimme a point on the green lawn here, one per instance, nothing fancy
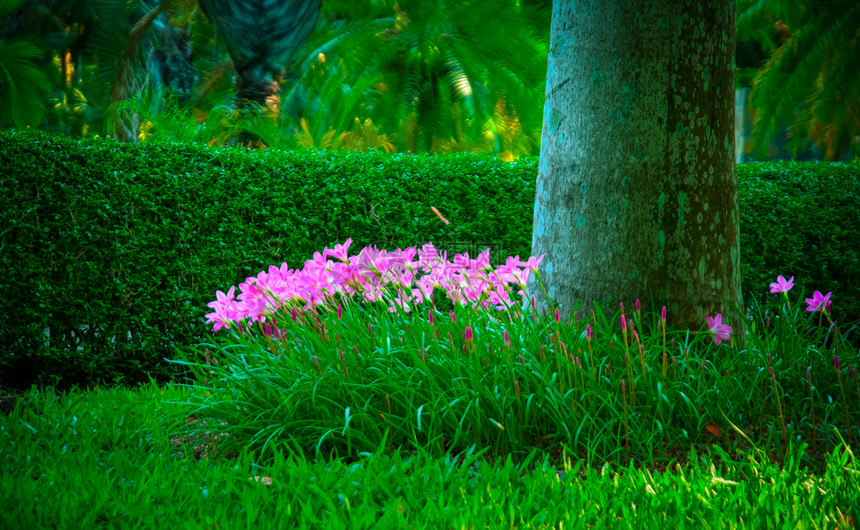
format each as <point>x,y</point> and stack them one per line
<point>107,459</point>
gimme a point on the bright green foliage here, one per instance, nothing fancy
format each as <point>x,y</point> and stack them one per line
<point>438,76</point>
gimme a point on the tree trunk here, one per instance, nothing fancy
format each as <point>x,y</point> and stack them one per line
<point>637,184</point>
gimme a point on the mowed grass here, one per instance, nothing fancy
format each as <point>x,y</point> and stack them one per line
<point>106,459</point>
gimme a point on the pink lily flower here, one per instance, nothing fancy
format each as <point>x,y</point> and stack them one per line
<point>339,251</point>
<point>721,331</point>
<point>782,286</point>
<point>819,303</point>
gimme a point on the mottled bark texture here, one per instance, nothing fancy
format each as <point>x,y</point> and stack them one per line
<point>637,185</point>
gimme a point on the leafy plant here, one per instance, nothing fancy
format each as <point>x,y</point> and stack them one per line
<point>22,79</point>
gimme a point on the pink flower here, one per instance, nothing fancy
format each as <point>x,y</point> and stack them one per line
<point>533,263</point>
<point>819,303</point>
<point>721,331</point>
<point>782,286</point>
<point>339,251</point>
<point>663,314</point>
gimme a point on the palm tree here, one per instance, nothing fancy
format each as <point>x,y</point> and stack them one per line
<point>810,78</point>
<point>262,36</point>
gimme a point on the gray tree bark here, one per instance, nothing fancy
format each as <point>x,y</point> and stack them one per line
<point>637,184</point>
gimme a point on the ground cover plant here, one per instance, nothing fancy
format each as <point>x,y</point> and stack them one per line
<point>400,389</point>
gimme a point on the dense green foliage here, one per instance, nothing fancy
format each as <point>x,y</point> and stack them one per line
<point>134,240</point>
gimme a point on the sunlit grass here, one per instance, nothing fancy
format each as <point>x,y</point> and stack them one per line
<point>107,458</point>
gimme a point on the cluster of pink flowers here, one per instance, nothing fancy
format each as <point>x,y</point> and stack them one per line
<point>367,273</point>
<point>466,280</point>
<point>818,302</point>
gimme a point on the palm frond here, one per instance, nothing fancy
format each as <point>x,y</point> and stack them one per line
<point>786,86</point>
<point>21,83</point>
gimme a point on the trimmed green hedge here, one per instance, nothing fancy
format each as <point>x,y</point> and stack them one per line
<point>801,219</point>
<point>133,240</point>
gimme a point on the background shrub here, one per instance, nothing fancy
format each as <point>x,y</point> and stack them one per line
<point>115,249</point>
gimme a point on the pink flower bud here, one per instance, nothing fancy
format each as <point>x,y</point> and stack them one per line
<point>638,305</point>
<point>623,323</point>
<point>663,314</point>
<point>836,362</point>
<point>557,316</point>
<point>339,312</point>
<point>453,316</point>
<point>588,331</point>
<point>507,340</point>
<point>430,316</point>
<point>469,335</point>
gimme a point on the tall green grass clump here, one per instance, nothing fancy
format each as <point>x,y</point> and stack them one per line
<point>420,352</point>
